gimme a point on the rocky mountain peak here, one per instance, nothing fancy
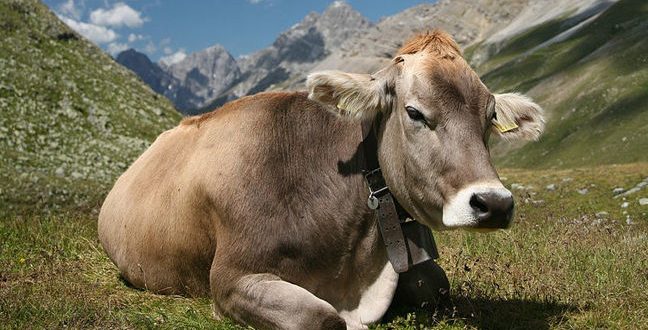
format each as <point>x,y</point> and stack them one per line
<point>205,61</point>
<point>203,75</point>
<point>339,22</point>
<point>132,55</point>
<point>151,73</point>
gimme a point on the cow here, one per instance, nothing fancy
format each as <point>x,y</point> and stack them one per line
<point>262,204</point>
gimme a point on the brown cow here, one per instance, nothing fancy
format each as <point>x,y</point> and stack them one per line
<point>263,206</point>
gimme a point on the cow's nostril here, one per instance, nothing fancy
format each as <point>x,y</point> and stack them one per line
<point>492,209</point>
<point>478,204</point>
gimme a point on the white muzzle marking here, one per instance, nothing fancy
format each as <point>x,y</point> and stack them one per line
<point>459,213</point>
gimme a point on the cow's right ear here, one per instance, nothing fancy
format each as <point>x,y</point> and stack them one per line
<point>517,117</point>
<point>354,95</point>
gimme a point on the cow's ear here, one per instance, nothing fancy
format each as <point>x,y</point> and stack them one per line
<point>517,117</point>
<point>352,94</point>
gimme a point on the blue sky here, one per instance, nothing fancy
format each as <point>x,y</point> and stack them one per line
<point>169,29</point>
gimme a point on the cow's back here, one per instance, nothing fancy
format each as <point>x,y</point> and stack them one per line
<point>271,171</point>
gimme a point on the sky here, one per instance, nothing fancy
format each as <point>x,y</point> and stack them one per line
<point>168,30</point>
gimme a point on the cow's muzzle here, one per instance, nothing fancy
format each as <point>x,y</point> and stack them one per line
<point>486,205</point>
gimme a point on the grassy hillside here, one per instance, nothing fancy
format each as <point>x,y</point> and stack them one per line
<point>564,264</point>
<point>593,84</point>
<point>71,119</point>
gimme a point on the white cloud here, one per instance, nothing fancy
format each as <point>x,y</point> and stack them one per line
<point>97,34</point>
<point>255,2</point>
<point>115,47</point>
<point>150,48</point>
<point>167,50</point>
<point>70,9</point>
<point>135,37</point>
<point>119,15</point>
<point>174,58</point>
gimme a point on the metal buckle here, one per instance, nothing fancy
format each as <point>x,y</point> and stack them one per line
<point>372,200</point>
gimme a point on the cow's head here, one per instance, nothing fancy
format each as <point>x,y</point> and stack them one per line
<point>437,117</point>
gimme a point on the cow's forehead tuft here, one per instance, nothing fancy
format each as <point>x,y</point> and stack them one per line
<point>436,41</point>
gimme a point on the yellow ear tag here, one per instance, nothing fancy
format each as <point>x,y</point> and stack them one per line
<point>504,127</point>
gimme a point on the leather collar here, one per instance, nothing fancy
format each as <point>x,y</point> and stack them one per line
<point>408,242</point>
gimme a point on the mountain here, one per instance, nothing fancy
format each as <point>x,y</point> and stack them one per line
<point>211,77</point>
<point>199,78</point>
<point>71,119</point>
<point>583,60</point>
<point>295,51</point>
<point>202,76</point>
<point>151,73</point>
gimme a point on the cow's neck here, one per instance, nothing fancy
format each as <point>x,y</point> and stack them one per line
<point>408,242</point>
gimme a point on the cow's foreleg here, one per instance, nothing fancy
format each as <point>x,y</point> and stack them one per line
<point>266,302</point>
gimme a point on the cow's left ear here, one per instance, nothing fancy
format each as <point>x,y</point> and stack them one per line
<point>352,94</point>
<point>517,117</point>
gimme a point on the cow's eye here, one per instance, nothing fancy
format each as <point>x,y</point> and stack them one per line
<point>414,114</point>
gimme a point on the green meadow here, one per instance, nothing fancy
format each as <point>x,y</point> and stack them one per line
<point>563,264</point>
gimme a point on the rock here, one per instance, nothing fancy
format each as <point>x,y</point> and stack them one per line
<point>629,220</point>
<point>567,179</point>
<point>551,187</point>
<point>642,184</point>
<point>618,190</point>
<point>630,191</point>
<point>583,191</point>
<point>517,186</point>
<point>625,205</point>
<point>602,215</point>
<point>59,172</point>
<point>643,201</point>
<point>76,175</point>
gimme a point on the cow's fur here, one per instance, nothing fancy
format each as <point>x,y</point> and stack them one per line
<point>262,204</point>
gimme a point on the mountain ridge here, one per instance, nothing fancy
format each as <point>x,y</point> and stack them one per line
<point>526,46</point>
<point>294,50</point>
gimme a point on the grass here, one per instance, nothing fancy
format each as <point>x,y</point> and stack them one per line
<point>71,118</point>
<point>559,266</point>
